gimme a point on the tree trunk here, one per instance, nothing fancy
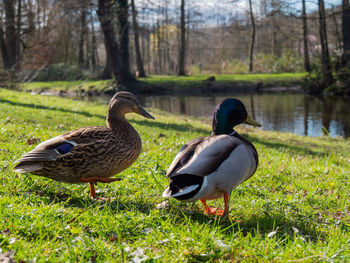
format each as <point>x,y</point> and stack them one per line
<point>10,32</point>
<point>148,50</point>
<point>346,31</point>
<point>305,40</point>
<point>153,49</point>
<point>82,37</point>
<point>107,71</point>
<point>104,17</point>
<point>30,18</point>
<point>182,54</point>
<point>87,45</point>
<point>326,66</point>
<point>18,38</point>
<point>338,37</point>
<point>139,61</point>
<point>159,41</point>
<point>94,57</point>
<point>124,36</point>
<point>4,53</point>
<point>166,41</point>
<point>252,37</point>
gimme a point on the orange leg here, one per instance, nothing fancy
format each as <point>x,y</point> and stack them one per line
<point>93,180</point>
<point>206,207</point>
<point>92,190</point>
<point>216,211</point>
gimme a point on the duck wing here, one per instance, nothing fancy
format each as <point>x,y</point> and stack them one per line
<point>184,155</point>
<point>203,156</point>
<point>195,160</point>
<point>58,146</point>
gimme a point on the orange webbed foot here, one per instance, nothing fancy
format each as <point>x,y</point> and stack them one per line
<point>215,211</point>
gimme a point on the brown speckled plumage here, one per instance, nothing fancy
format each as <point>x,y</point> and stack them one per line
<point>96,152</point>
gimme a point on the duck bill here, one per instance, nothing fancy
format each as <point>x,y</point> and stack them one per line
<point>144,113</point>
<point>252,122</point>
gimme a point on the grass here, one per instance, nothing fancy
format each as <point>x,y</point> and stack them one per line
<point>189,81</point>
<point>64,85</point>
<point>167,82</point>
<point>295,208</point>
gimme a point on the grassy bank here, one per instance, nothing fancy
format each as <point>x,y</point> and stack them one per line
<point>192,81</point>
<point>171,84</point>
<point>294,208</point>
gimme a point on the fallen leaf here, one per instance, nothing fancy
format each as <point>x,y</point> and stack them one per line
<point>40,193</point>
<point>113,238</point>
<point>7,257</point>
<point>138,255</point>
<point>32,140</point>
<point>163,205</point>
<point>5,231</point>
<point>93,258</point>
<point>338,215</point>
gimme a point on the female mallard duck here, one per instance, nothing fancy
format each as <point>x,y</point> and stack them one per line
<point>211,167</point>
<point>90,154</point>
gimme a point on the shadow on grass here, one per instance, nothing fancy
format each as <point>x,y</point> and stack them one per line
<point>262,224</point>
<point>257,225</point>
<point>67,199</point>
<point>36,106</point>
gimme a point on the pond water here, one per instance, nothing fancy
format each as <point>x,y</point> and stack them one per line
<point>287,112</point>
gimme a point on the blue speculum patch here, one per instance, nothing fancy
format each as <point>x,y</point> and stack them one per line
<point>64,148</point>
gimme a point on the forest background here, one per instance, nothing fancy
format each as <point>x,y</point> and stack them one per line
<point>47,40</point>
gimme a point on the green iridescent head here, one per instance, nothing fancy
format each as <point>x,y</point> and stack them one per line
<point>229,113</point>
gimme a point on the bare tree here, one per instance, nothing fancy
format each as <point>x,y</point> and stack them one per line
<point>83,33</point>
<point>305,40</point>
<point>159,46</point>
<point>345,31</point>
<point>338,38</point>
<point>326,65</point>
<point>107,70</point>
<point>252,37</point>
<point>182,51</point>
<point>123,15</point>
<point>18,37</point>
<point>94,55</point>
<point>4,53</point>
<point>104,15</point>
<point>10,33</point>
<point>139,61</point>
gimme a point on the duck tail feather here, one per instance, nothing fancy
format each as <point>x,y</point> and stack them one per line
<point>27,167</point>
<point>168,193</point>
<point>185,191</point>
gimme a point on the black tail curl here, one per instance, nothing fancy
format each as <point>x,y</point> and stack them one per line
<point>181,181</point>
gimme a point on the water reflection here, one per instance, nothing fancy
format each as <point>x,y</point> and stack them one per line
<point>296,113</point>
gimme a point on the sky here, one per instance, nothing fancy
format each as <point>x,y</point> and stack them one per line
<point>223,10</point>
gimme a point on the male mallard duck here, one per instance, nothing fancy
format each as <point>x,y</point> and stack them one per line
<point>211,167</point>
<point>90,154</point>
